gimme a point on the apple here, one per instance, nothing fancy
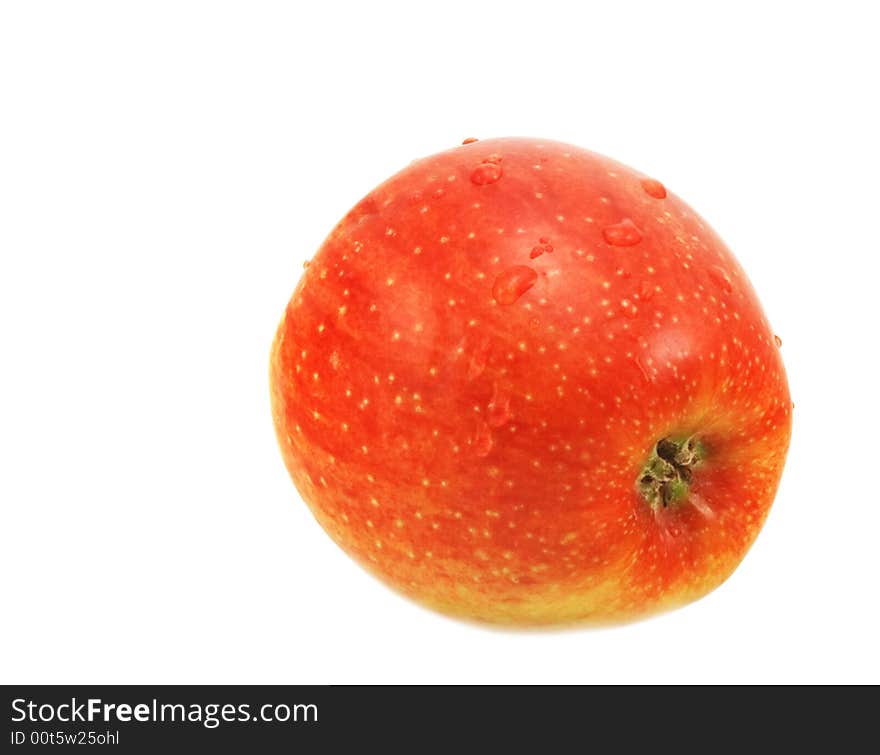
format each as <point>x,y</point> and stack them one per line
<point>523,383</point>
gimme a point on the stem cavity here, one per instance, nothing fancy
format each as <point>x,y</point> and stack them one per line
<point>668,473</point>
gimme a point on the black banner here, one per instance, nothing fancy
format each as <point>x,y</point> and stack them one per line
<point>417,719</point>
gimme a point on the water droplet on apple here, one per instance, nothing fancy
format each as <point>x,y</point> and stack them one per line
<point>624,233</point>
<point>486,173</point>
<point>306,264</point>
<point>482,441</point>
<point>499,413</point>
<point>470,140</point>
<point>654,188</point>
<point>367,206</point>
<point>476,367</point>
<point>478,360</point>
<point>542,247</point>
<point>513,283</point>
<point>778,341</point>
<point>719,276</point>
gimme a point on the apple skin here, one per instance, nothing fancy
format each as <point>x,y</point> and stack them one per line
<point>476,369</point>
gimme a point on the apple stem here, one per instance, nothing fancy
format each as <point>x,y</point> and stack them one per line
<point>667,475</point>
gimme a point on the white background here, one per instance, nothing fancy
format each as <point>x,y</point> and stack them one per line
<point>166,168</point>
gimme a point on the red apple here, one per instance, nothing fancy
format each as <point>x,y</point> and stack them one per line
<point>523,383</point>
